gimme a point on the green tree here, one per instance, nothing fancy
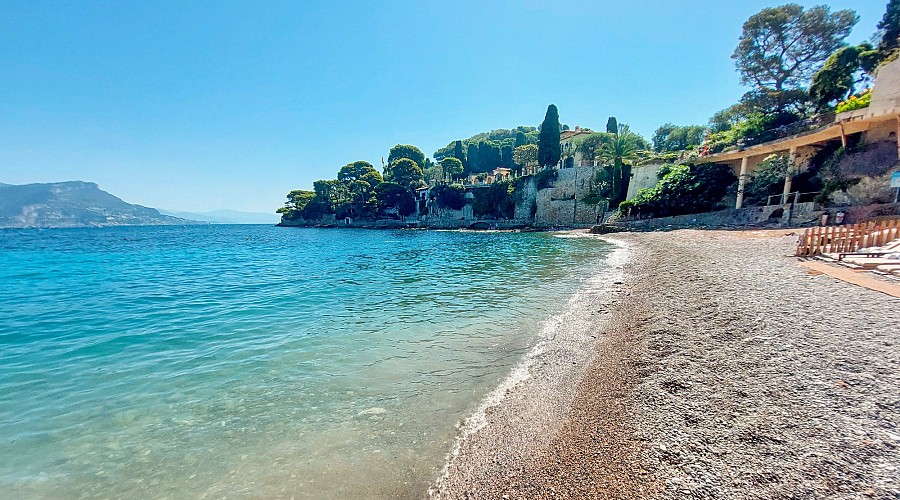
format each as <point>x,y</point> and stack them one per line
<point>452,196</point>
<point>405,172</point>
<point>331,193</point>
<point>781,47</point>
<point>496,157</point>
<point>297,200</point>
<point>670,137</point>
<point>768,179</point>
<point>390,195</point>
<point>406,151</point>
<point>506,159</point>
<point>520,139</point>
<point>472,163</point>
<point>589,147</point>
<point>889,28</point>
<point>361,171</point>
<point>548,144</point>
<point>612,125</point>
<point>526,155</point>
<point>726,119</point>
<point>837,79</point>
<point>453,168</point>
<point>458,152</point>
<point>433,174</point>
<point>620,150</point>
<point>484,157</point>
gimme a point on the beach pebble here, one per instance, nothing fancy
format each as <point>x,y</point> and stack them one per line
<point>372,411</point>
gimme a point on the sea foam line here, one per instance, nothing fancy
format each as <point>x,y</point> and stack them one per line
<point>604,275</point>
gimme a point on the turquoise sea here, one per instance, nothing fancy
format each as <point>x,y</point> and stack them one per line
<point>212,361</point>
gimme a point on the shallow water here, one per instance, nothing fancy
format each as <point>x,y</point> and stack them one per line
<point>253,360</point>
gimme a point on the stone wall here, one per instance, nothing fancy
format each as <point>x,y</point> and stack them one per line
<point>804,214</point>
<point>642,176</point>
<point>562,205</point>
<point>886,92</point>
<point>863,213</point>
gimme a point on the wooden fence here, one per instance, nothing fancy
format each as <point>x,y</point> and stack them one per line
<point>850,238</point>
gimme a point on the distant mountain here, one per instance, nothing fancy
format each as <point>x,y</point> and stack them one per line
<point>73,204</point>
<point>228,216</point>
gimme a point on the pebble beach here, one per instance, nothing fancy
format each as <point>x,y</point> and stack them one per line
<point>708,365</point>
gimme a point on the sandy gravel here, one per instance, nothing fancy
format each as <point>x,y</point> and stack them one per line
<point>720,369</point>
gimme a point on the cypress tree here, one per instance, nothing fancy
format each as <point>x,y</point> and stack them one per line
<point>506,157</point>
<point>484,157</point>
<point>520,139</point>
<point>458,152</point>
<point>496,157</point>
<point>471,164</point>
<point>548,144</point>
<point>612,125</point>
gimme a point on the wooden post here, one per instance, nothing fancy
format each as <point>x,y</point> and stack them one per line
<point>742,182</point>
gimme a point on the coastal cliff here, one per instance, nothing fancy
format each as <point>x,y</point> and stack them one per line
<point>73,204</point>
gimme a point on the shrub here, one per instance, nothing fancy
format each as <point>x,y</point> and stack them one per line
<point>626,206</point>
<point>685,189</point>
<point>856,102</point>
<point>497,200</point>
<point>767,180</point>
<point>452,197</point>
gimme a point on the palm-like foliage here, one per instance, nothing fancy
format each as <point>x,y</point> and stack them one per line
<point>622,148</point>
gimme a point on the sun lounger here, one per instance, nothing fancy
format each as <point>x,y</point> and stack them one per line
<point>889,269</point>
<point>870,262</point>
<point>874,252</point>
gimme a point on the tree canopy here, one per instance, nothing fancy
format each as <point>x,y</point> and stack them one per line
<point>394,196</point>
<point>452,167</point>
<point>781,47</point>
<point>548,143</point>
<point>359,171</point>
<point>526,155</point>
<point>407,151</point>
<point>499,137</point>
<point>889,29</point>
<point>619,151</point>
<point>452,196</point>
<point>838,77</point>
<point>404,172</point>
<point>589,147</point>
<point>670,137</point>
<point>612,125</point>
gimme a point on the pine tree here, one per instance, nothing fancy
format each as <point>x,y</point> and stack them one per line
<point>548,144</point>
<point>890,28</point>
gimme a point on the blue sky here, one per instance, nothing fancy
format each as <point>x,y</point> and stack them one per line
<point>205,105</point>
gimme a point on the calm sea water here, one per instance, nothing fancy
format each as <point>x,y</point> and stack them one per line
<point>207,361</point>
